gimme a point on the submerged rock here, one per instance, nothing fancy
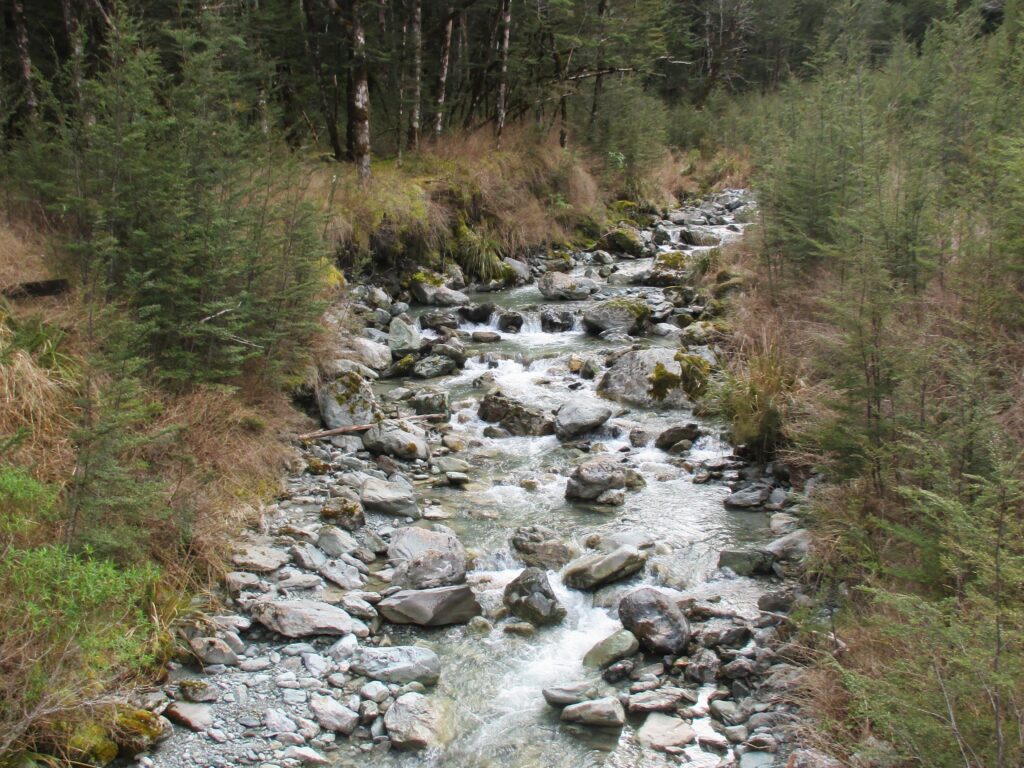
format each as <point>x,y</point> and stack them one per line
<point>529,596</point>
<point>540,546</point>
<point>435,607</point>
<point>662,732</point>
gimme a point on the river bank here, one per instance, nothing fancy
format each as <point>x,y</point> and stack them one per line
<point>382,607</point>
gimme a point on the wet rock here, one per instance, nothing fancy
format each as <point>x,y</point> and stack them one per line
<point>618,645</point>
<point>332,715</point>
<point>259,559</point>
<point>602,713</point>
<point>792,546</point>
<point>389,498</point>
<point>673,435</point>
<point>592,571</point>
<point>428,401</point>
<point>746,562</point>
<point>425,559</point>
<point>510,322</point>
<point>557,321</point>
<point>411,722</point>
<point>558,285</point>
<point>436,319</point>
<point>594,477</point>
<point>670,268</point>
<point>564,695</point>
<point>726,711</point>
<point>396,438</point>
<point>746,498</point>
<point>302,618</point>
<point>195,717</point>
<point>577,417</point>
<point>486,337</point>
<point>399,664</point>
<point>539,546</point>
<point>403,338</point>
<point>661,732</point>
<point>656,620</point>
<point>347,401</point>
<point>515,417</point>
<point>644,377</point>
<point>431,607</point>
<point>703,666</point>
<point>658,700</point>
<point>529,596</point>
<point>778,601</point>
<point>621,314</point>
<point>436,365</point>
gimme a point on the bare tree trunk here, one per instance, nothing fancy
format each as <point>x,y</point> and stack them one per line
<point>599,79</point>
<point>506,22</point>
<point>312,47</point>
<point>416,107</point>
<point>71,26</point>
<point>24,58</point>
<point>400,123</point>
<point>442,77</point>
<point>358,93</point>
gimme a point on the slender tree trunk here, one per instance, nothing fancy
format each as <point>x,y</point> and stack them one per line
<point>312,46</point>
<point>415,109</point>
<point>506,23</point>
<point>602,7</point>
<point>442,77</point>
<point>24,58</point>
<point>358,93</point>
<point>71,27</point>
<point>400,123</point>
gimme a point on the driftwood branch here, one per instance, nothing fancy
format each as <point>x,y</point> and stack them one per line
<point>361,427</point>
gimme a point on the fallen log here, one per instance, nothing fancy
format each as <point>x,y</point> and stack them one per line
<point>364,427</point>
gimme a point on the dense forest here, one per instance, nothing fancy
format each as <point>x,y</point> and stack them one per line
<point>189,186</point>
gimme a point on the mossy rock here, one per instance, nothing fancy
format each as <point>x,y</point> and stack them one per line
<point>623,240</point>
<point>90,744</point>
<point>317,466</point>
<point>137,730</point>
<point>636,307</point>
<point>427,278</point>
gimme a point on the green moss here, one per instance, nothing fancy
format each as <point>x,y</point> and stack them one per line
<point>674,260</point>
<point>428,278</point>
<point>91,745</point>
<point>693,375</point>
<point>623,240</point>
<point>635,307</point>
<point>136,730</point>
<point>663,381</point>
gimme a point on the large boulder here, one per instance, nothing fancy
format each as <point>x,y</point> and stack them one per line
<point>620,314</point>
<point>557,321</point>
<point>425,559</point>
<point>601,713</point>
<point>399,664</point>
<point>600,480</point>
<point>600,568</point>
<point>623,240</point>
<point>746,562</point>
<point>403,338</point>
<point>389,498</point>
<point>411,722</point>
<point>647,377</point>
<point>676,434</point>
<point>577,417</point>
<point>435,607</point>
<point>433,366</point>
<point>517,270</point>
<point>558,285</point>
<point>540,546</point>
<point>369,353</point>
<point>302,618</point>
<point>431,290</point>
<point>670,268</point>
<point>347,401</point>
<point>396,438</point>
<point>515,417</point>
<point>699,236</point>
<point>656,620</point>
<point>530,597</point>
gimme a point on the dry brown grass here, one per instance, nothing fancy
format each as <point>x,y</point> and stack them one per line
<point>22,254</point>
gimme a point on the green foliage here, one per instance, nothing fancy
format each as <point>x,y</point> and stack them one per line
<point>753,398</point>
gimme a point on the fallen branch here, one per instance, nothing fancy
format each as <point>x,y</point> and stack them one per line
<point>362,427</point>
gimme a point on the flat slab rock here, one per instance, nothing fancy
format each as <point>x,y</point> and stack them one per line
<point>398,664</point>
<point>662,732</point>
<point>302,618</point>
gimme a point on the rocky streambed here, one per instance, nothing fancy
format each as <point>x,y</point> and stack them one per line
<point>536,556</point>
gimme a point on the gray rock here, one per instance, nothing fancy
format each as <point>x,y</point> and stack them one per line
<point>396,438</point>
<point>622,314</point>
<point>389,498</point>
<point>618,645</point>
<point>436,319</point>
<point>703,666</point>
<point>539,546</point>
<point>399,664</point>
<point>673,435</point>
<point>564,695</point>
<point>558,285</point>
<point>661,732</point>
<point>371,354</point>
<point>664,699</point>
<point>431,607</point>
<point>517,268</point>
<point>437,295</point>
<point>276,721</point>
<point>510,322</point>
<point>812,758</point>
<point>602,713</point>
<point>213,650</point>
<point>577,417</point>
<point>332,715</point>
<point>556,321</point>
<point>425,559</point>
<point>195,717</point>
<point>259,559</point>
<point>335,542</point>
<point>746,562</point>
<point>435,365</point>
<point>347,401</point>
<point>792,546</point>
<point>529,596</point>
<point>305,755</point>
<point>593,478</point>
<point>515,417</point>
<point>598,569</point>
<point>633,376</point>
<point>656,620</point>
<point>302,618</point>
<point>745,498</point>
<point>403,338</point>
<point>428,401</point>
<point>411,722</point>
